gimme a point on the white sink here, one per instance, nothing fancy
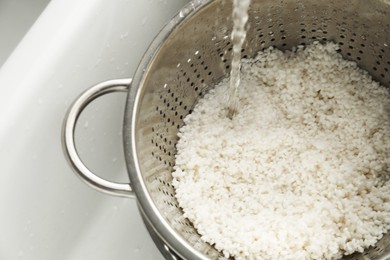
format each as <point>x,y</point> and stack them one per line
<point>46,212</point>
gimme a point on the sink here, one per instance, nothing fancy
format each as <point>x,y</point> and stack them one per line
<point>53,51</point>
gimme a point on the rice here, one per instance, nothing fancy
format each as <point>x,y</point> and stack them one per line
<point>301,172</point>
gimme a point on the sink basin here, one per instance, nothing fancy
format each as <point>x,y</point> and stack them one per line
<point>46,211</point>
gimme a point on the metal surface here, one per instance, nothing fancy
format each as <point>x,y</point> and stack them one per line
<point>112,188</point>
<point>193,53</point>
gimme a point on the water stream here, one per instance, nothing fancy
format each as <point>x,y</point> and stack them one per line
<point>240,18</point>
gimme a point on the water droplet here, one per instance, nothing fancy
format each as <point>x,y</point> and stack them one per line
<point>144,20</point>
<point>197,52</point>
<point>123,35</point>
<point>189,60</point>
<point>165,85</point>
<point>214,38</point>
<point>20,254</point>
<point>97,62</point>
<point>114,159</point>
<point>86,124</point>
<point>40,101</point>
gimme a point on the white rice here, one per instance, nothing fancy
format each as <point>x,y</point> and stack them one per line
<point>301,171</point>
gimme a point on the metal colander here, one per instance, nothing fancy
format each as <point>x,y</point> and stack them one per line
<point>193,53</point>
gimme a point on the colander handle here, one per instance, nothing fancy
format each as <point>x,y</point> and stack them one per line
<point>68,130</point>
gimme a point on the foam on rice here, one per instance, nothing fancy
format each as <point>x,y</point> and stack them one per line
<point>301,172</point>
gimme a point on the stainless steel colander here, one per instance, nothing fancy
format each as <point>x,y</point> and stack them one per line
<point>193,53</point>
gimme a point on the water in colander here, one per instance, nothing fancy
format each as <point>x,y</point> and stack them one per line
<point>296,169</point>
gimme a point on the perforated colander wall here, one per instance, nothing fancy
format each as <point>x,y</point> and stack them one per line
<point>197,55</point>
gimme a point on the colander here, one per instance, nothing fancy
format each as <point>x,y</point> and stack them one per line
<point>190,55</point>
